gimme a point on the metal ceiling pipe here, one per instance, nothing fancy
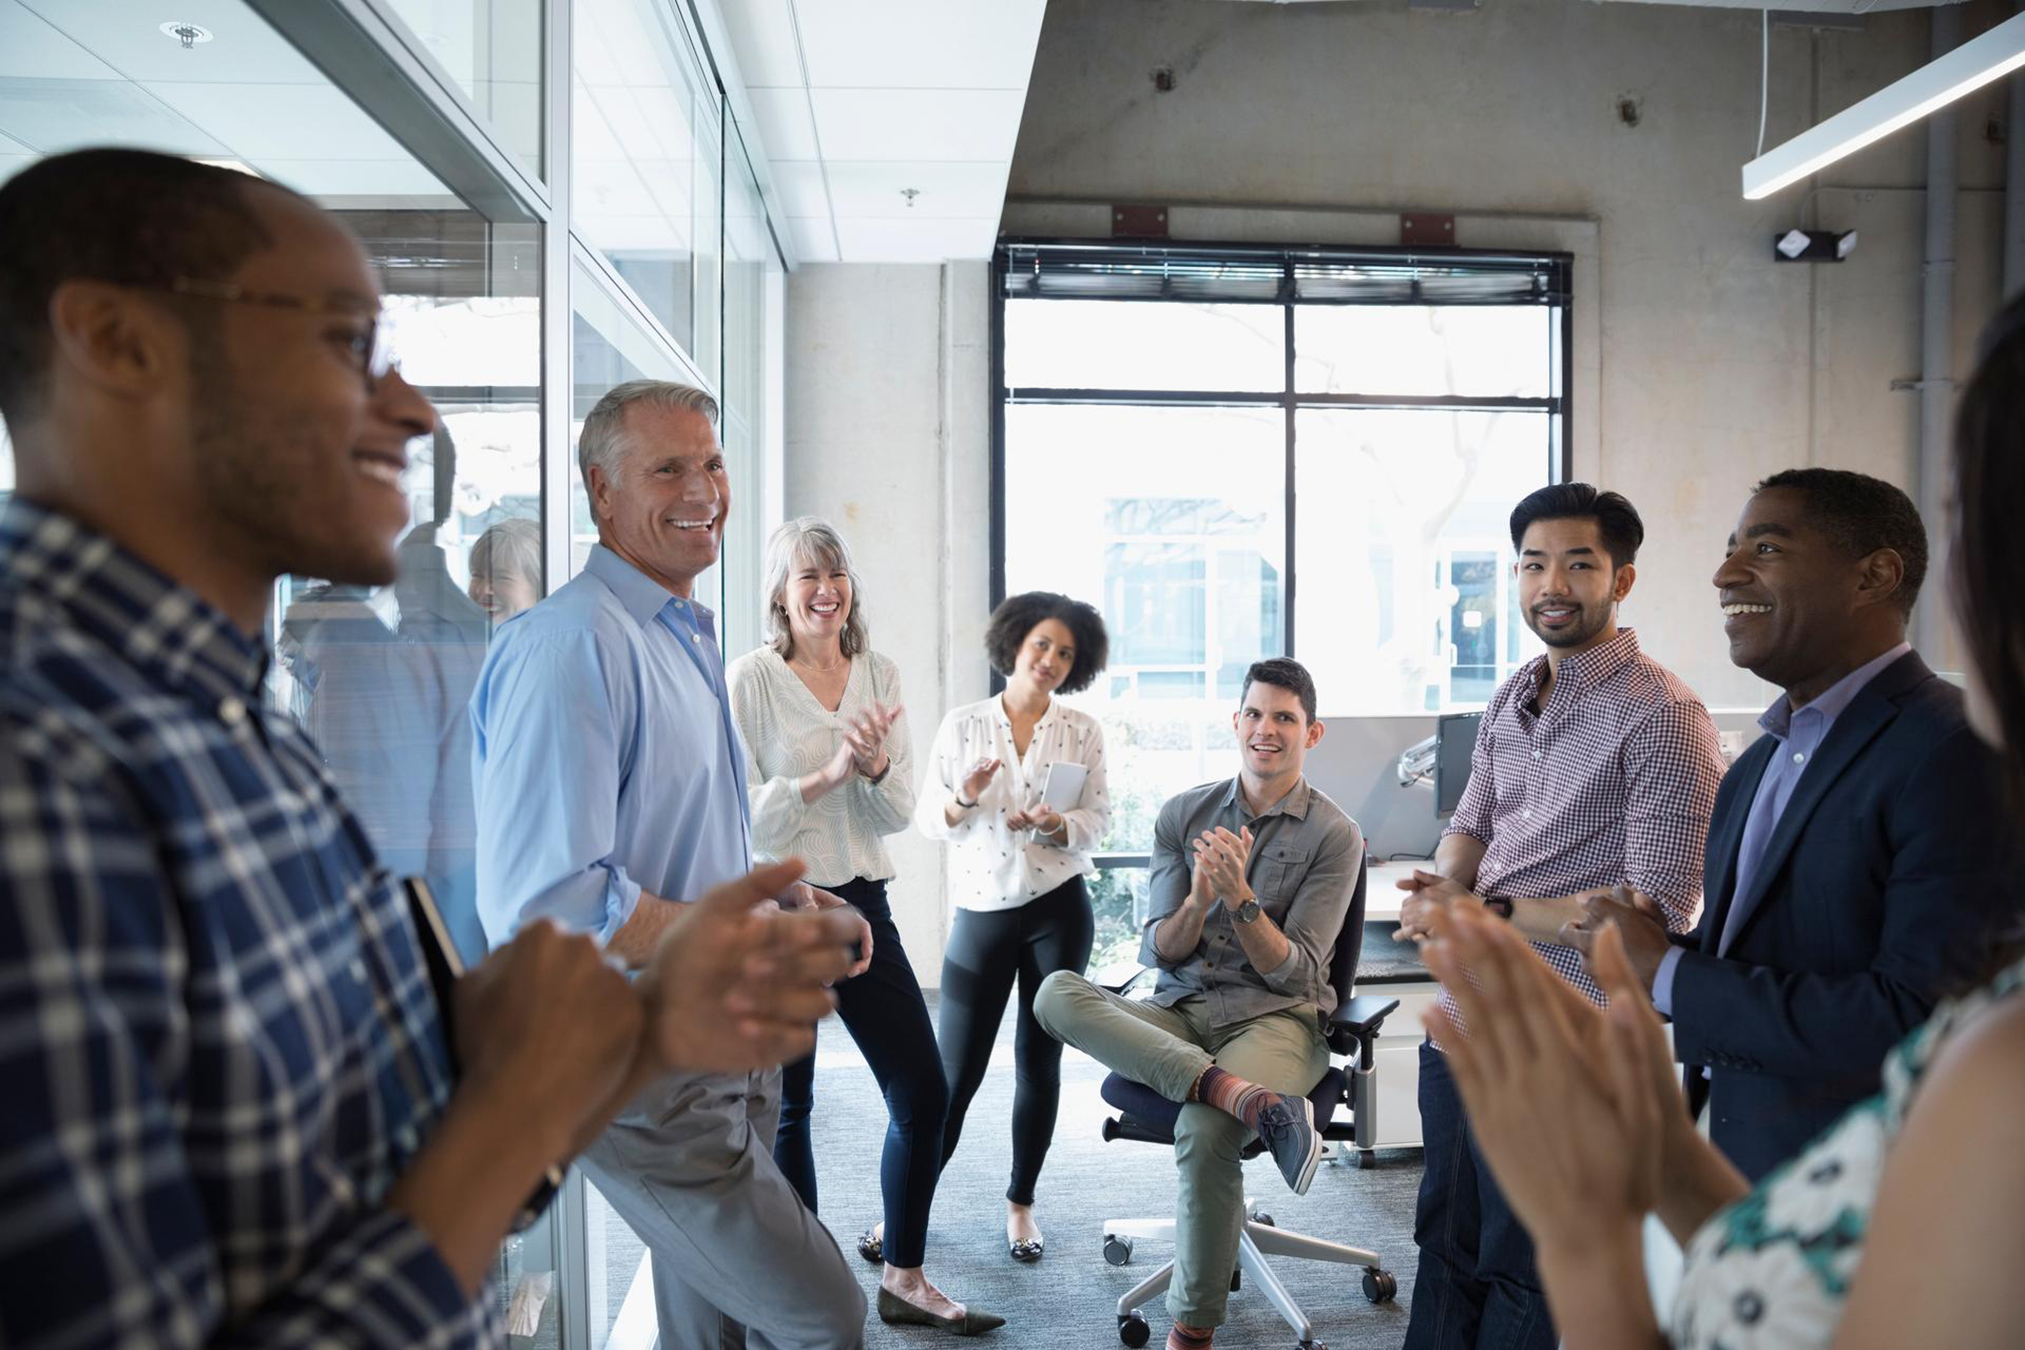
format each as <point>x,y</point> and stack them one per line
<point>1937,347</point>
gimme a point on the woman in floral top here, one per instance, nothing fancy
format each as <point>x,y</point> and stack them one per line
<point>1902,1225</point>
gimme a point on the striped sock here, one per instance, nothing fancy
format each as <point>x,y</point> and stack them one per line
<point>1190,1338</point>
<point>1229,1093</point>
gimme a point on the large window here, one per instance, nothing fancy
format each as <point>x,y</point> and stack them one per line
<point>1246,452</point>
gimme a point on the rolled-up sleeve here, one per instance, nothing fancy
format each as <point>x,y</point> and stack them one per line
<point>1673,765</point>
<point>889,803</point>
<point>546,721</point>
<point>1315,917</point>
<point>1474,814</point>
<point>1167,884</point>
<point>1086,823</point>
<point>943,772</point>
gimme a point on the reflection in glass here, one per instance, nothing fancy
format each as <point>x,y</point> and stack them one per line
<point>1406,599</point>
<point>1174,527</point>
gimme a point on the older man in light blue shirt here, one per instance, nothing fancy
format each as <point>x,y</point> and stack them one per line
<point>611,784</point>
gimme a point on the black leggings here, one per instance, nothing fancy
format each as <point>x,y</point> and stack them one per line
<point>986,952</point>
<point>884,1012</point>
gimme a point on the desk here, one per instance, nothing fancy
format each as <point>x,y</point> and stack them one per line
<point>1381,888</point>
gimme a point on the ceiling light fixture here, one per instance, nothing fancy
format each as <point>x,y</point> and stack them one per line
<point>1962,71</point>
<point>189,34</point>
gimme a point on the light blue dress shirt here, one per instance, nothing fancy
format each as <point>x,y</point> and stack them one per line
<point>1800,733</point>
<point>605,756</point>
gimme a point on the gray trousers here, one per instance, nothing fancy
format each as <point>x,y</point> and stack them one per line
<point>739,1261</point>
<point>1167,1049</point>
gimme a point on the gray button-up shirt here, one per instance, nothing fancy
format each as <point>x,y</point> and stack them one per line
<point>1303,868</point>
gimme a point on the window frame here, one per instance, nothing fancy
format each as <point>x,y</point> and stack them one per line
<point>1558,404</point>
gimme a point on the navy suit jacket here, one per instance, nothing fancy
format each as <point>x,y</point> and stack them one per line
<point>1878,894</point>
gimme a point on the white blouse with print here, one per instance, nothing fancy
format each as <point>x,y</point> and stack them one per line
<point>991,867</point>
<point>787,734</point>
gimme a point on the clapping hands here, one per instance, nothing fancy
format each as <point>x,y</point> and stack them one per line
<point>1220,861</point>
<point>865,734</point>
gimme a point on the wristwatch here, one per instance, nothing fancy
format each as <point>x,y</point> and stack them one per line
<point>1500,905</point>
<point>1248,911</point>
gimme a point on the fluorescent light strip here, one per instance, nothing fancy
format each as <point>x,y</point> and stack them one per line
<point>1935,85</point>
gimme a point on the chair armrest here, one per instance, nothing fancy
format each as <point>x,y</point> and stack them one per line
<point>1120,978</point>
<point>1353,1027</point>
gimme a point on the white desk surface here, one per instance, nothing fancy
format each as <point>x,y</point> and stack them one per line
<point>1381,892</point>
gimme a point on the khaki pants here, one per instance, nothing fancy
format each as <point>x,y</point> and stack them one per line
<point>1167,1049</point>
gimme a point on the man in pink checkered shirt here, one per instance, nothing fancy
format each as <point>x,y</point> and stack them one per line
<point>1594,767</point>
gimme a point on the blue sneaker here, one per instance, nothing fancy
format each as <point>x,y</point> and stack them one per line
<point>1287,1128</point>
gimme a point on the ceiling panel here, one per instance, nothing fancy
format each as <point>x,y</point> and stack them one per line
<point>814,238</point>
<point>356,177</point>
<point>29,46</point>
<point>900,240</point>
<point>800,185</point>
<point>763,35</point>
<point>942,190</point>
<point>11,147</point>
<point>127,36</point>
<point>786,129</point>
<point>51,116</point>
<point>258,120</point>
<point>920,44</point>
<point>919,124</point>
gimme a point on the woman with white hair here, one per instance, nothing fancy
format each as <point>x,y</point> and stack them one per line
<point>831,773</point>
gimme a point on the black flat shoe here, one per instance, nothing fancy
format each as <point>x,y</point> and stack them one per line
<point>1022,1250</point>
<point>893,1308</point>
<point>872,1248</point>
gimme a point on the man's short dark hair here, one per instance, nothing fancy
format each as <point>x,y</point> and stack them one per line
<point>1861,515</point>
<point>124,216</point>
<point>1017,616</point>
<point>1288,674</point>
<point>1616,518</point>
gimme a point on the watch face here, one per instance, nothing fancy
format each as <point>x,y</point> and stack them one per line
<point>1248,911</point>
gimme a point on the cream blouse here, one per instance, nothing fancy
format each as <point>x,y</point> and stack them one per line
<point>787,734</point>
<point>991,867</point>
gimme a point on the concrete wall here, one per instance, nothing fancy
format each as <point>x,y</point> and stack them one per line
<point>1701,365</point>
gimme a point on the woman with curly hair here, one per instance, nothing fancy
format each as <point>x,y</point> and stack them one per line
<point>1020,848</point>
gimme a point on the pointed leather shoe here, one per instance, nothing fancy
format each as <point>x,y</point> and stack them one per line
<point>893,1308</point>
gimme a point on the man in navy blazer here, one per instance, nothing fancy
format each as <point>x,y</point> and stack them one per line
<point>1857,850</point>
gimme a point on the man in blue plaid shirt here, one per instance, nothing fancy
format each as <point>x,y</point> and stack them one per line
<point>232,1114</point>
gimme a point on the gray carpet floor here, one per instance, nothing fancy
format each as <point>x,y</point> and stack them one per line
<point>1068,1298</point>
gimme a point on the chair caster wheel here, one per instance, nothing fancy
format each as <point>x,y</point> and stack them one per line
<point>1265,1219</point>
<point>1313,1345</point>
<point>1132,1330</point>
<point>1379,1286</point>
<point>1366,1159</point>
<point>1117,1250</point>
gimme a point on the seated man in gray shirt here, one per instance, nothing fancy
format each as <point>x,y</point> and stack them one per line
<point>1251,880</point>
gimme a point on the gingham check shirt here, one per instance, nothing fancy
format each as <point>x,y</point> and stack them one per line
<point>218,1044</point>
<point>1613,785</point>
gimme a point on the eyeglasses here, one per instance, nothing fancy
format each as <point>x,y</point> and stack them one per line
<point>372,347</point>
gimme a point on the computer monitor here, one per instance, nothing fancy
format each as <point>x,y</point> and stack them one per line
<point>1455,739</point>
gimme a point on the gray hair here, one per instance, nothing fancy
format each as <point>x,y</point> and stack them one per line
<point>805,538</point>
<point>603,442</point>
<point>512,545</point>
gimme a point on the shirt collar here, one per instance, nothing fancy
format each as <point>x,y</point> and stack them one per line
<point>1778,719</point>
<point>162,628</point>
<point>638,594</point>
<point>1294,804</point>
<point>1588,669</point>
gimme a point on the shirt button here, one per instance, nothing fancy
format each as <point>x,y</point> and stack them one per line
<point>358,969</point>
<point>1527,813</point>
<point>405,1137</point>
<point>1799,757</point>
<point>1536,754</point>
<point>231,711</point>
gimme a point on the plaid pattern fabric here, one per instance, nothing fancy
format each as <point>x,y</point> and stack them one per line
<point>1614,785</point>
<point>218,1044</point>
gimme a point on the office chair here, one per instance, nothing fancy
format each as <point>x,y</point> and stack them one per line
<point>1345,1103</point>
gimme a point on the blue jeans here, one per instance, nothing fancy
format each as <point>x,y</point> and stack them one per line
<point>1477,1288</point>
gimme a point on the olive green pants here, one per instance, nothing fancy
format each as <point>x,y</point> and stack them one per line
<point>1167,1049</point>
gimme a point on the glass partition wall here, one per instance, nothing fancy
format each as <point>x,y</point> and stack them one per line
<point>557,199</point>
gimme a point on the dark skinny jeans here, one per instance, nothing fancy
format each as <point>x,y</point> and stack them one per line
<point>884,1012</point>
<point>987,952</point>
